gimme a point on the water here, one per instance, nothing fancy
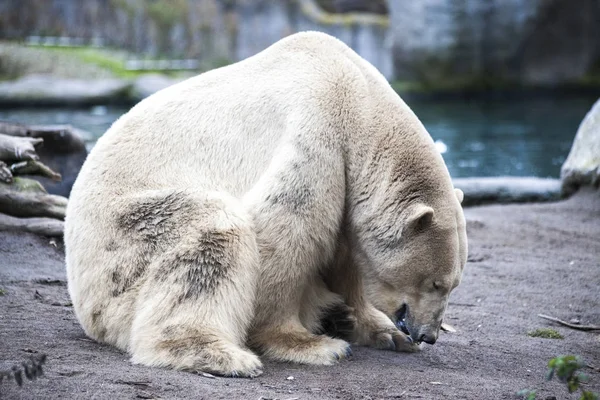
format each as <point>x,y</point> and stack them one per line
<point>524,137</point>
<point>517,137</point>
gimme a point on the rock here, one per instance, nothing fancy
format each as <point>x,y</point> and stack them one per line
<point>149,84</point>
<point>582,167</point>
<point>49,90</point>
<point>506,189</point>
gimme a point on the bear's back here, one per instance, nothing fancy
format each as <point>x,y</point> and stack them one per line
<point>221,129</point>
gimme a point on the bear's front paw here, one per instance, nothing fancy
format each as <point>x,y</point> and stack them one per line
<point>375,329</point>
<point>395,340</point>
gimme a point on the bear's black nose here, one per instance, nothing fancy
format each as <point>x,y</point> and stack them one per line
<point>427,338</point>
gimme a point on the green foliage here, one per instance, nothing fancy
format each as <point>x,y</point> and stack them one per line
<point>166,12</point>
<point>527,394</point>
<point>2,292</point>
<point>103,58</point>
<point>566,370</point>
<point>545,333</point>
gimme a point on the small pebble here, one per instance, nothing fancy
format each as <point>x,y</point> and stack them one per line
<point>290,378</point>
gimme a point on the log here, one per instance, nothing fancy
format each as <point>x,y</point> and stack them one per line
<point>57,138</point>
<point>18,148</point>
<point>41,226</point>
<point>23,185</point>
<point>20,204</point>
<point>34,168</point>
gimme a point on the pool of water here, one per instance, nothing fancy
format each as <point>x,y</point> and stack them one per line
<point>517,137</point>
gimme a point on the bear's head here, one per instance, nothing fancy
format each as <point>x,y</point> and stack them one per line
<point>412,257</point>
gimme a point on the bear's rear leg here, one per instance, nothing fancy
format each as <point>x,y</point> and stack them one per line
<point>195,307</point>
<point>199,351</point>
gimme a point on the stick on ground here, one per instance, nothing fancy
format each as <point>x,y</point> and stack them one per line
<point>569,325</point>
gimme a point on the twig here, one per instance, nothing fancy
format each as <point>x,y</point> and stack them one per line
<point>590,366</point>
<point>462,304</point>
<point>569,325</point>
<point>32,167</point>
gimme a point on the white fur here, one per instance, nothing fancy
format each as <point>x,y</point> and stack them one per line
<point>209,217</point>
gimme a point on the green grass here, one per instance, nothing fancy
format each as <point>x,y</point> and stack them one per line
<point>545,333</point>
<point>110,60</point>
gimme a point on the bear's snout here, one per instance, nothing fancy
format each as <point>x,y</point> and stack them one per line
<point>429,336</point>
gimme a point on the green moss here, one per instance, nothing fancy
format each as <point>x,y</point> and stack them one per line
<point>2,292</point>
<point>545,333</point>
<point>23,185</point>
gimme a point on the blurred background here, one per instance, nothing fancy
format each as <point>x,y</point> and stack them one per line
<point>501,85</point>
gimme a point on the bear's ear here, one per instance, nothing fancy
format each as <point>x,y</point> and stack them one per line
<point>420,218</point>
<point>459,195</point>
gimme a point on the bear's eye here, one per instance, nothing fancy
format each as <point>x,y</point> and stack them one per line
<point>436,285</point>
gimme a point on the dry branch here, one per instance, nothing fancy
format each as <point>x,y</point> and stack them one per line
<point>34,168</point>
<point>40,226</point>
<point>570,325</point>
<point>57,138</point>
<point>18,148</point>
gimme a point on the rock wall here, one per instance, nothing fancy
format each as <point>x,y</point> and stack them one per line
<point>453,43</point>
<point>262,22</point>
<point>462,42</point>
<point>213,31</point>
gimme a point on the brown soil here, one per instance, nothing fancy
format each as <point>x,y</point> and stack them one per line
<point>524,260</point>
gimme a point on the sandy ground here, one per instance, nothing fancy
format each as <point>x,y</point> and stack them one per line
<point>524,260</point>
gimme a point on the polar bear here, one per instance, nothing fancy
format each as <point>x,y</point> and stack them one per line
<point>223,216</point>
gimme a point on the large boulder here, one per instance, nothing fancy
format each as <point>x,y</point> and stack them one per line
<point>50,90</point>
<point>582,167</point>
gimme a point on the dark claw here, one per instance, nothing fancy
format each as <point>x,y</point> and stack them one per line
<point>348,352</point>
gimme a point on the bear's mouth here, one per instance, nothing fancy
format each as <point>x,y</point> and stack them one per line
<point>401,315</point>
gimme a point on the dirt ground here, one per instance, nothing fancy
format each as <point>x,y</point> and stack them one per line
<point>524,260</point>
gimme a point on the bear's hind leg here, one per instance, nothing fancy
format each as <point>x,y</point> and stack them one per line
<point>195,307</point>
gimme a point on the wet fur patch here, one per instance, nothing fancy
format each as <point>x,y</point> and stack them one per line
<point>123,279</point>
<point>153,218</point>
<point>180,342</point>
<point>112,245</point>
<point>202,268</point>
<point>97,326</point>
<point>152,222</point>
<point>297,200</point>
